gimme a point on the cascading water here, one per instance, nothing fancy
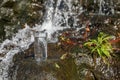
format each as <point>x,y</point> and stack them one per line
<point>56,15</point>
<point>54,18</point>
<point>106,7</point>
<point>59,15</point>
<point>40,46</point>
<point>100,10</point>
<point>9,48</point>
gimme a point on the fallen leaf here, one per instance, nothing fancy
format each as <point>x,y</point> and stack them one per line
<point>63,56</point>
<point>57,66</point>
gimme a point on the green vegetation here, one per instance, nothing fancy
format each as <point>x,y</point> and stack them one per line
<point>100,45</point>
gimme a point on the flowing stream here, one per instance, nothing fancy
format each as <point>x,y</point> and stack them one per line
<point>59,15</point>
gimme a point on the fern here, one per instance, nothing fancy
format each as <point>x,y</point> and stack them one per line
<point>101,46</point>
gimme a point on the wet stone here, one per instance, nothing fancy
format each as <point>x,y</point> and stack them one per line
<point>0,60</point>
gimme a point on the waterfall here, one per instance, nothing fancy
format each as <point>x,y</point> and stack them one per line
<point>59,15</point>
<point>40,46</point>
<point>21,41</point>
<point>100,6</point>
<point>106,7</point>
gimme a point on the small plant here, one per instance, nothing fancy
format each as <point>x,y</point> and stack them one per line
<point>101,45</point>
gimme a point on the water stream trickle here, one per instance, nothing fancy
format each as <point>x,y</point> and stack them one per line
<point>9,48</point>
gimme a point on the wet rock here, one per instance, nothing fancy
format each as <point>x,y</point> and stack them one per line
<point>77,66</point>
<point>28,69</point>
<point>9,4</point>
<point>14,14</point>
<point>0,60</point>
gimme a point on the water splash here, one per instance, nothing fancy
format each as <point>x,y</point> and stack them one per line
<point>106,7</point>
<point>9,48</point>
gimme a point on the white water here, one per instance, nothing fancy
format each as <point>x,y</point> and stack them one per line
<point>106,8</point>
<point>100,6</point>
<point>9,48</point>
